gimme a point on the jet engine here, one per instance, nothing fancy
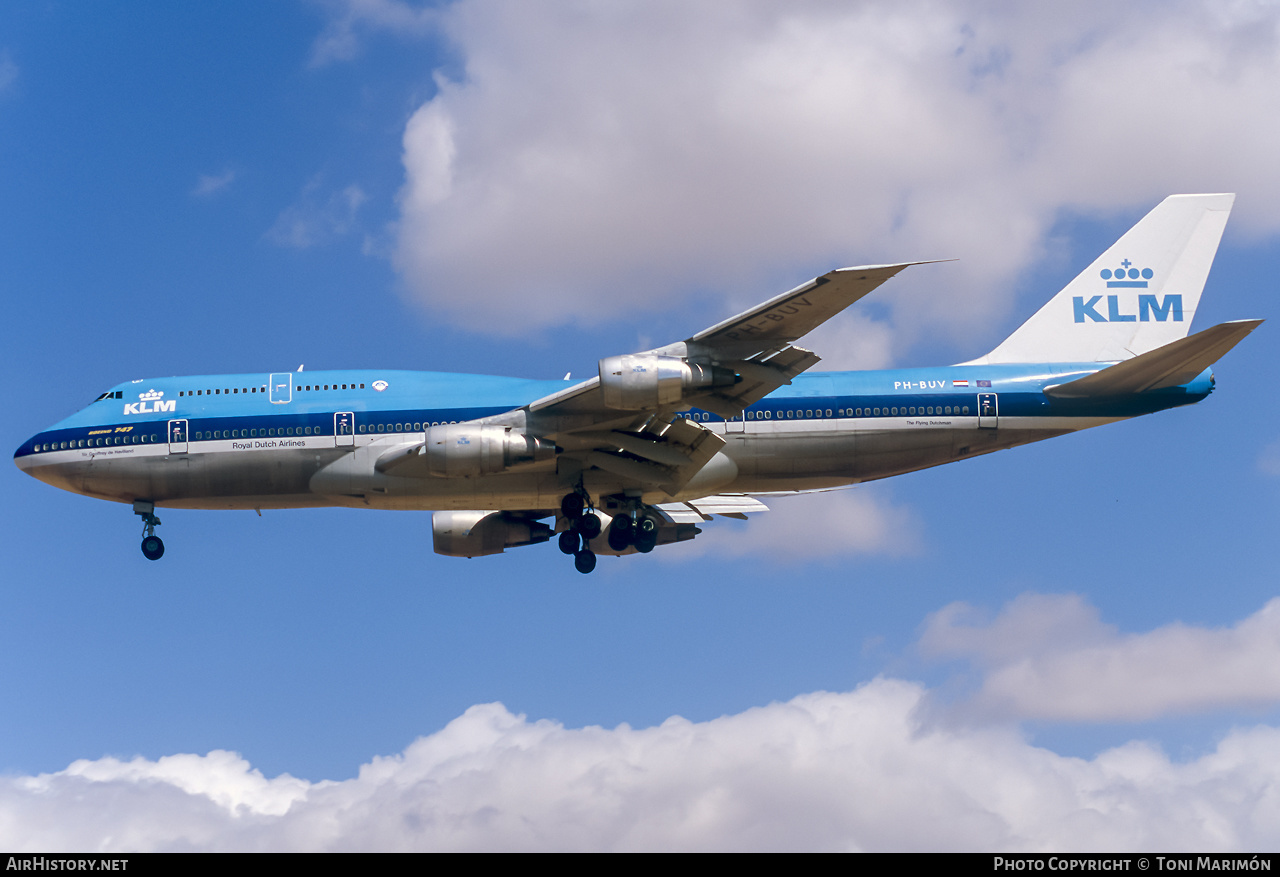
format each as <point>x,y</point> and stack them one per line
<point>637,381</point>
<point>461,449</point>
<point>476,534</point>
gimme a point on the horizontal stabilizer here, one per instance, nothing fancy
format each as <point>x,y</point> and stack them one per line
<point>1172,365</point>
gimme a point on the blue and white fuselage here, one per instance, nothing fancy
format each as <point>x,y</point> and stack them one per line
<point>222,441</point>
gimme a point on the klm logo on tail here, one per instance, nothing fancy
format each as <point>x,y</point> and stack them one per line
<point>1128,277</point>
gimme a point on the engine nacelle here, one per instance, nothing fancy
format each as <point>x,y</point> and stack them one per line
<point>463,449</point>
<point>476,534</point>
<point>637,381</point>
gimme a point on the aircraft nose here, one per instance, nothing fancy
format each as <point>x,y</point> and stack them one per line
<point>27,455</point>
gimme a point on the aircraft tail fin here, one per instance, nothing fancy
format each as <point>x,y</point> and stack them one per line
<point>1141,294</point>
<point>1174,364</point>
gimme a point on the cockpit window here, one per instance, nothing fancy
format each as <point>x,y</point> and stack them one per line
<point>118,394</point>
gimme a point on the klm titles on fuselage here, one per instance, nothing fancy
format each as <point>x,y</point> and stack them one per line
<point>151,402</point>
<point>1148,305</point>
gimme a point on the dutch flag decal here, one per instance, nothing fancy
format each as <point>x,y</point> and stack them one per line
<point>959,383</point>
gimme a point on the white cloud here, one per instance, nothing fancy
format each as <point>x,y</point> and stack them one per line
<point>853,771</point>
<point>829,524</point>
<point>8,71</point>
<point>1269,459</point>
<point>319,217</point>
<point>599,160</point>
<point>340,40</point>
<point>1050,657</point>
<point>210,184</point>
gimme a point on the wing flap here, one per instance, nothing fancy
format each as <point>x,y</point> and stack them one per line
<point>667,453</point>
<point>729,505</point>
<point>1172,365</point>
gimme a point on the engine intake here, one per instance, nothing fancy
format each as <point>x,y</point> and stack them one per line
<point>636,381</point>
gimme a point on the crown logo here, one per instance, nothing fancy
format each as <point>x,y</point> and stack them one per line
<point>379,385</point>
<point>1127,277</point>
<point>151,395</point>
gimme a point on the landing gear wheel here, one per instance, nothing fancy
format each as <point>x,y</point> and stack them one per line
<point>584,561</point>
<point>572,505</point>
<point>620,532</point>
<point>646,535</point>
<point>152,548</point>
<point>570,542</point>
<point>589,525</point>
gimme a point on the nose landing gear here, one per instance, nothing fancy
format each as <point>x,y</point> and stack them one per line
<point>152,546</point>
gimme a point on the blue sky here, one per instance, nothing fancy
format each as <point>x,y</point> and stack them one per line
<point>521,189</point>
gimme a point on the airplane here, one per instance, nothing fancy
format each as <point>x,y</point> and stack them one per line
<point>659,441</point>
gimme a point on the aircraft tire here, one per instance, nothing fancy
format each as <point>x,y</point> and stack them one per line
<point>584,561</point>
<point>570,542</point>
<point>152,548</point>
<point>589,525</point>
<point>571,506</point>
<point>645,537</point>
<point>620,537</point>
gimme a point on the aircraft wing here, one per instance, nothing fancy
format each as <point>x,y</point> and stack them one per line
<point>773,325</point>
<point>631,430</point>
<point>756,344</point>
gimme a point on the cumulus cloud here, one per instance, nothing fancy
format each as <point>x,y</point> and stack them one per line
<point>598,160</point>
<point>1051,657</point>
<point>830,524</point>
<point>349,19</point>
<point>211,184</point>
<point>851,771</point>
<point>320,216</point>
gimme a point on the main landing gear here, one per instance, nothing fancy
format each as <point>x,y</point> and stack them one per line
<point>638,530</point>
<point>152,546</point>
<point>584,525</point>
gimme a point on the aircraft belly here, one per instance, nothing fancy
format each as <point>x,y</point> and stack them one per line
<point>269,479</point>
<point>786,455</point>
<point>815,460</point>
